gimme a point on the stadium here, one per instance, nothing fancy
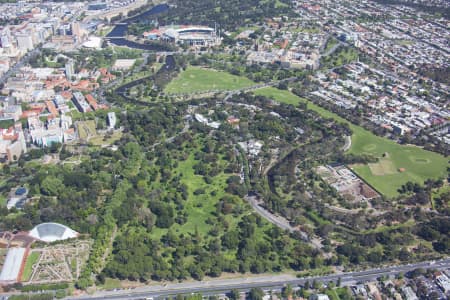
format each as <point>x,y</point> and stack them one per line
<point>50,232</point>
<point>192,35</point>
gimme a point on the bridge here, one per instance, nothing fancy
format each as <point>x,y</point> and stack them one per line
<point>114,37</point>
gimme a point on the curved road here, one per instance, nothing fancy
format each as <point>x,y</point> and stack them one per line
<point>348,143</point>
<point>276,220</point>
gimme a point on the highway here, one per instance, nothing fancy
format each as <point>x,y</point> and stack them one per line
<point>267,282</point>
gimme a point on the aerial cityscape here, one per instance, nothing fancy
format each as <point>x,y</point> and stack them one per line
<point>225,149</point>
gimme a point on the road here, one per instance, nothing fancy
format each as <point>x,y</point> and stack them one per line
<point>268,282</point>
<point>276,220</point>
<point>23,61</point>
<point>332,49</point>
<point>280,221</point>
<point>348,143</point>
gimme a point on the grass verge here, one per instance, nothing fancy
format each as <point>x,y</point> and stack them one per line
<point>31,260</point>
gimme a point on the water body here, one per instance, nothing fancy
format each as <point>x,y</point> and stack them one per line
<point>117,35</point>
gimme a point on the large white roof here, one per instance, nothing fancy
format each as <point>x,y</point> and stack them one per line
<point>12,265</point>
<point>93,42</point>
<point>50,232</point>
<point>186,31</point>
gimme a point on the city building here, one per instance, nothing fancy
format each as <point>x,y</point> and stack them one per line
<point>92,102</point>
<point>44,135</point>
<point>319,297</point>
<point>24,41</point>
<point>97,6</point>
<point>443,282</point>
<point>409,293</point>
<point>193,35</point>
<point>80,102</point>
<point>123,64</point>
<point>12,143</point>
<point>69,70</point>
<point>112,120</point>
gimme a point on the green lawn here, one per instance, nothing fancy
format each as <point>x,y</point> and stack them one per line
<point>196,79</point>
<point>31,260</point>
<point>198,207</point>
<point>419,164</point>
<point>404,42</point>
<point>341,56</point>
<point>99,139</point>
<point>110,284</point>
<point>330,44</point>
<point>332,294</point>
<point>86,129</point>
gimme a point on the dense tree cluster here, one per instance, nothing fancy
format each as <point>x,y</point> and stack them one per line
<point>237,64</point>
<point>228,14</point>
<point>168,203</point>
<point>160,200</point>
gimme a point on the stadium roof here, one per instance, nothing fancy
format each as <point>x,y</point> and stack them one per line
<point>175,31</point>
<point>50,232</point>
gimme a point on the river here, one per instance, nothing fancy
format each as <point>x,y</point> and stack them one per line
<point>117,35</point>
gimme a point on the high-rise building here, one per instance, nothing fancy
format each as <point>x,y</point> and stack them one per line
<point>76,29</point>
<point>24,41</point>
<point>112,120</point>
<point>64,30</point>
<point>5,38</point>
<point>69,69</point>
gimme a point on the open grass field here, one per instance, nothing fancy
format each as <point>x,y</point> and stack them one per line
<point>404,42</point>
<point>341,56</point>
<point>332,294</point>
<point>100,140</point>
<point>31,260</point>
<point>196,79</point>
<point>86,129</point>
<point>417,164</point>
<point>384,166</point>
<point>384,176</point>
<point>110,284</point>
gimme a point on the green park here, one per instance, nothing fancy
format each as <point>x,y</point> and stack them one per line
<point>196,79</point>
<point>397,163</point>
